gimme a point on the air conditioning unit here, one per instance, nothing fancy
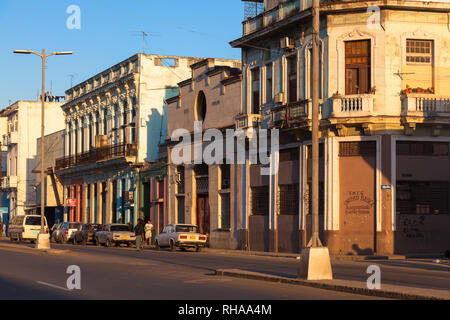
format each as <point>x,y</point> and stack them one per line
<point>287,43</point>
<point>279,97</point>
<point>101,141</point>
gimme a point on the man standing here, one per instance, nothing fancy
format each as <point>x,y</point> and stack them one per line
<point>148,232</point>
<point>1,229</point>
<point>139,231</point>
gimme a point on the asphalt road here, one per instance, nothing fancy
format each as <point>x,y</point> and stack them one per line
<point>421,273</point>
<point>122,273</point>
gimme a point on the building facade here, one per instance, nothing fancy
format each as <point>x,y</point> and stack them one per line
<point>24,127</point>
<point>200,192</point>
<point>53,188</point>
<point>115,122</point>
<point>384,128</point>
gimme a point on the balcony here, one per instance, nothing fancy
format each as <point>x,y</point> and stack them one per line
<point>244,121</point>
<point>285,9</point>
<point>97,155</point>
<point>292,114</point>
<point>425,105</point>
<point>9,183</point>
<point>358,105</point>
<point>10,138</point>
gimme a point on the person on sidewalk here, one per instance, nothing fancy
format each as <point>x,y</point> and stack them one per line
<point>148,233</point>
<point>139,231</point>
<point>1,229</point>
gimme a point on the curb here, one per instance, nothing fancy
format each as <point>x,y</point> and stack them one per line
<point>236,273</point>
<point>27,249</point>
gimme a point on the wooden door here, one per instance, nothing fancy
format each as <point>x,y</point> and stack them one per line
<point>203,217</point>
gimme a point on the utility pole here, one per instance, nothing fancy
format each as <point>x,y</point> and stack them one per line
<point>315,240</point>
<point>43,240</point>
<point>315,260</point>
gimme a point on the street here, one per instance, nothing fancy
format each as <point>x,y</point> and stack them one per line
<point>121,273</point>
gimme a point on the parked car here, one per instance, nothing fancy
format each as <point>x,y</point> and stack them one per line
<point>53,229</point>
<point>65,230</point>
<point>25,227</point>
<point>182,236</point>
<point>86,234</point>
<point>115,234</point>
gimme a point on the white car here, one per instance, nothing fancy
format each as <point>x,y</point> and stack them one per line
<point>116,234</point>
<point>25,227</point>
<point>182,236</point>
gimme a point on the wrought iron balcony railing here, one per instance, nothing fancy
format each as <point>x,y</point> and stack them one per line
<point>96,155</point>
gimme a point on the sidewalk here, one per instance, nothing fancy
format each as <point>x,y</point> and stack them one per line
<point>27,247</point>
<point>333,257</point>
<point>355,287</point>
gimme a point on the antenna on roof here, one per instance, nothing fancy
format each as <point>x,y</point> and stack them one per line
<point>71,78</point>
<point>144,34</point>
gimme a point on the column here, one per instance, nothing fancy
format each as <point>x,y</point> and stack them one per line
<point>92,204</point>
<point>84,212</point>
<point>99,202</point>
<point>273,194</point>
<point>109,201</point>
<point>79,203</point>
<point>72,209</point>
<point>120,213</point>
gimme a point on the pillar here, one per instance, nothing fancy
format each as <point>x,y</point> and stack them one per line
<point>273,208</point>
<point>99,202</point>
<point>109,201</point>
<point>92,204</point>
<point>84,202</point>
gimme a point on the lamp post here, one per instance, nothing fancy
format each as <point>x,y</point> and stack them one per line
<point>315,260</point>
<point>43,240</point>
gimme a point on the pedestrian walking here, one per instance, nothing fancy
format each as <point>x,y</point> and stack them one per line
<point>1,229</point>
<point>139,231</point>
<point>148,232</point>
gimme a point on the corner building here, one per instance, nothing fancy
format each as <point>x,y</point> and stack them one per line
<point>384,128</point>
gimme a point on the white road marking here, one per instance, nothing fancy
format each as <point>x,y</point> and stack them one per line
<point>52,285</point>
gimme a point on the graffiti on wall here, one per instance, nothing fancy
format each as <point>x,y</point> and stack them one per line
<point>412,227</point>
<point>358,203</point>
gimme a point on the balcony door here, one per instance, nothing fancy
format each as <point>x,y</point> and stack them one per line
<point>357,67</point>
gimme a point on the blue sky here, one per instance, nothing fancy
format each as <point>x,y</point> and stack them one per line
<point>109,34</point>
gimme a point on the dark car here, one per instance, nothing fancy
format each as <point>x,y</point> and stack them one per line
<point>86,234</point>
<point>64,231</point>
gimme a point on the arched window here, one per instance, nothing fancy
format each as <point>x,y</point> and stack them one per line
<point>200,107</point>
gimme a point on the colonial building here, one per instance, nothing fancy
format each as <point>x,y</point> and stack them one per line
<point>114,123</point>
<point>24,127</point>
<point>53,188</point>
<point>385,125</point>
<point>198,193</point>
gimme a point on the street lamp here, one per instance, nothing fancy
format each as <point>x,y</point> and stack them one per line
<point>43,240</point>
<point>315,260</point>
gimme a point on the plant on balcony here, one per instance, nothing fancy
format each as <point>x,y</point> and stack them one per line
<point>336,95</point>
<point>373,90</point>
<point>409,90</point>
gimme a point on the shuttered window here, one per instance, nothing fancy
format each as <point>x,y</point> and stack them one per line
<point>260,200</point>
<point>419,51</point>
<point>289,199</point>
<point>419,197</point>
<point>357,67</point>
